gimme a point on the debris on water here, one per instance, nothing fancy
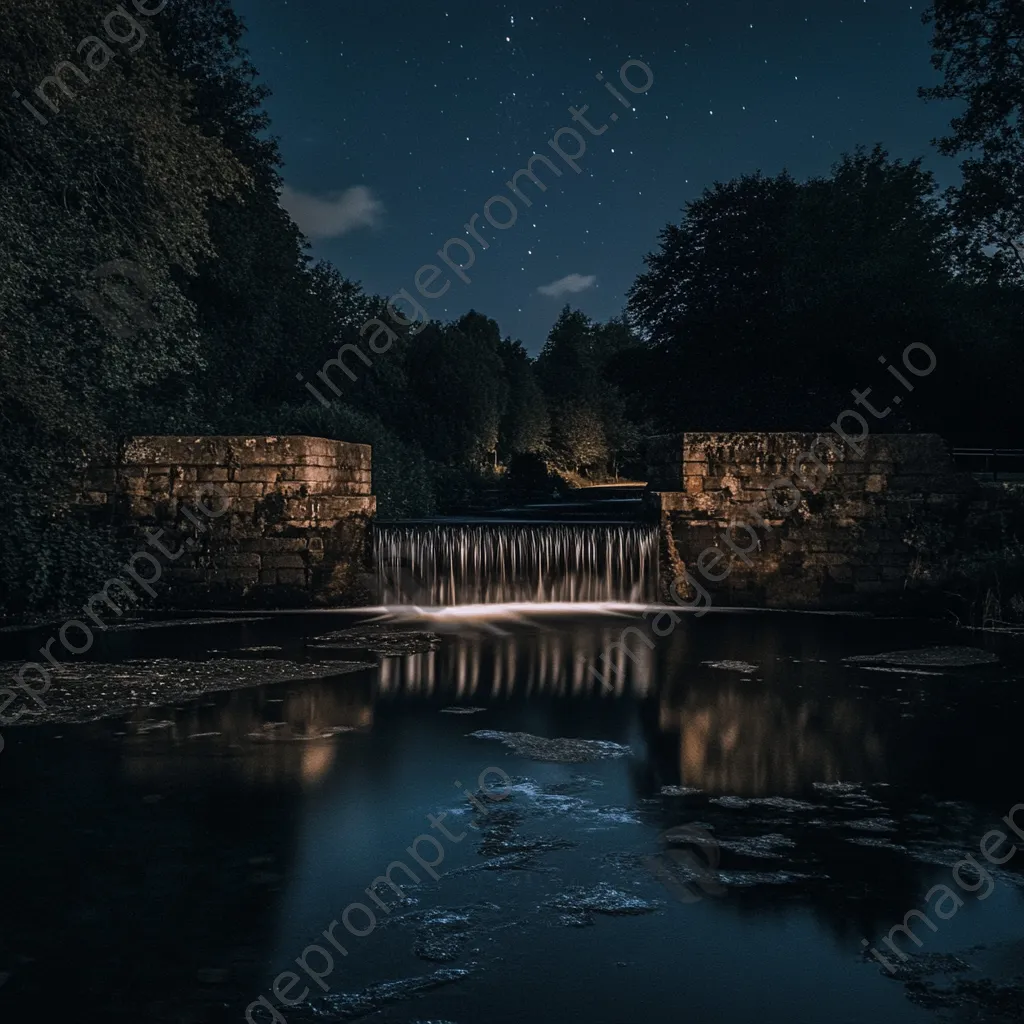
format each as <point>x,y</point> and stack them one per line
<point>877,842</point>
<point>872,824</point>
<point>980,998</point>
<point>840,788</point>
<point>782,803</point>
<point>574,784</point>
<point>441,936</point>
<point>507,849</point>
<point>144,728</point>
<point>532,846</point>
<point>461,711</point>
<point>352,1005</point>
<point>746,879</point>
<point>929,657</point>
<point>768,846</point>
<point>380,640</point>
<point>89,691</point>
<point>679,790</point>
<point>133,624</point>
<point>563,751</point>
<point>732,666</point>
<point>578,903</point>
<point>900,671</point>
<point>259,648</point>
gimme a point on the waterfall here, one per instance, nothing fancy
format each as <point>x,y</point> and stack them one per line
<point>439,565</point>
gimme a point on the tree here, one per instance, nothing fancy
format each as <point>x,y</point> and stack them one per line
<point>566,366</point>
<point>103,210</point>
<point>772,297</point>
<point>979,51</point>
<point>579,438</point>
<point>526,424</point>
<point>457,389</point>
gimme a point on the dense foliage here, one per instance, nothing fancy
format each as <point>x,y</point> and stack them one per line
<point>773,299</point>
<point>979,50</point>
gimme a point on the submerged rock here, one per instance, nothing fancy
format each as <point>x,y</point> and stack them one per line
<point>564,751</point>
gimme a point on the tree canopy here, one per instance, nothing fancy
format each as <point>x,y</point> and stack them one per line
<point>979,51</point>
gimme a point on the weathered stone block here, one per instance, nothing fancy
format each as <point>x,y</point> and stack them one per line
<point>246,560</point>
<point>254,474</point>
<point>283,561</point>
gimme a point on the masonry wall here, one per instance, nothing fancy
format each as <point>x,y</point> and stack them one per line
<point>253,520</point>
<point>797,521</point>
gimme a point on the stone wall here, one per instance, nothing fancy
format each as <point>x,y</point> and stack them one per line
<point>806,521</point>
<point>248,520</point>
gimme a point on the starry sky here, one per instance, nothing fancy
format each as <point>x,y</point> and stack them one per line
<point>398,121</point>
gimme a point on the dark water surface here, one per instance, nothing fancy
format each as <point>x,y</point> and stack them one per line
<point>765,818</point>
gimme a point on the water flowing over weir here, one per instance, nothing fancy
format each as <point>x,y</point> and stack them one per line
<point>444,564</point>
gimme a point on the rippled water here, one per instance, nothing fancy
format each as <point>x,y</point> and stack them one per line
<point>703,825</point>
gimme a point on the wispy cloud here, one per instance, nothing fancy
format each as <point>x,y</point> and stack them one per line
<point>333,215</point>
<point>570,285</point>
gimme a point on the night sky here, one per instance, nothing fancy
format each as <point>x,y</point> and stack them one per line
<point>398,121</point>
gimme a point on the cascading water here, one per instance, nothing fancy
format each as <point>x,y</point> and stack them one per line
<point>439,565</point>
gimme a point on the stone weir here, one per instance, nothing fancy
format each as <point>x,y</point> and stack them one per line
<point>793,520</point>
<point>243,520</point>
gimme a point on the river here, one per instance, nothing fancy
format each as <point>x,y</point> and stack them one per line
<point>744,806</point>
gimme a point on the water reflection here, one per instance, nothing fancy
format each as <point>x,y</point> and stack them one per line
<point>777,731</point>
<point>284,733</point>
<point>583,661</point>
<point>735,741</point>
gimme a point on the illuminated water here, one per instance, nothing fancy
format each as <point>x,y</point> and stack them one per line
<point>444,565</point>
